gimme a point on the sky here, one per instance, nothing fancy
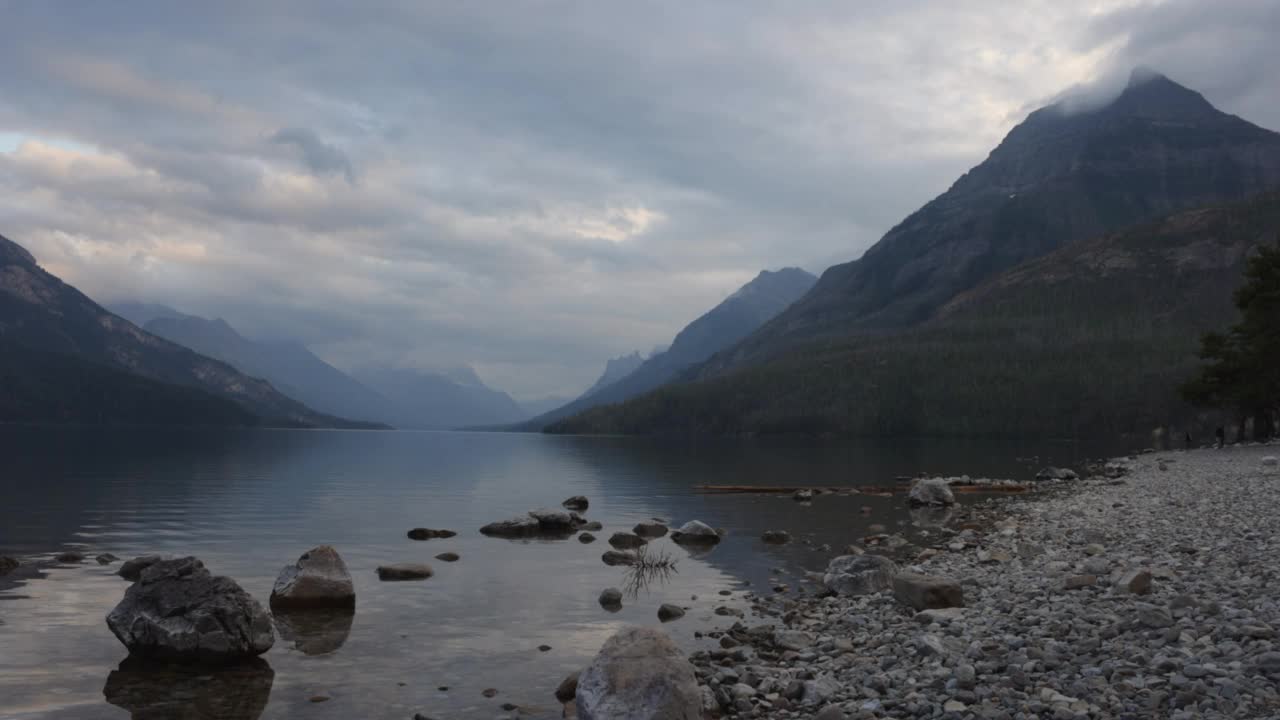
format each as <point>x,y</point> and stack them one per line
<point>530,188</point>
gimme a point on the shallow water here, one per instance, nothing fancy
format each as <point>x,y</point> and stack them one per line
<point>249,502</point>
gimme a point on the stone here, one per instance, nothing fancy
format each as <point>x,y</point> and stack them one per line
<point>131,570</point>
<point>650,529</point>
<point>1093,549</point>
<point>405,571</point>
<point>859,574</point>
<point>568,688</point>
<point>429,534</point>
<point>611,598</point>
<point>7,565</point>
<point>106,559</point>
<point>319,579</point>
<point>1079,582</point>
<point>668,612</point>
<point>966,676</point>
<point>448,557</point>
<point>1056,473</point>
<point>830,712</point>
<point>802,495</point>
<point>776,537</point>
<point>618,557</point>
<point>941,616</point>
<point>626,541</point>
<point>931,491</point>
<point>1136,582</point>
<point>586,537</point>
<point>1270,461</point>
<point>695,532</point>
<point>639,674</point>
<point>69,557</point>
<point>178,611</point>
<point>1154,617</point>
<point>954,706</point>
<point>577,502</point>
<point>594,526</point>
<point>535,523</point>
<point>1097,566</point>
<point>519,526</point>
<point>925,592</point>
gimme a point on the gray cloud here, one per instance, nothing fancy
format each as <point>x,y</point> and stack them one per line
<point>539,187</point>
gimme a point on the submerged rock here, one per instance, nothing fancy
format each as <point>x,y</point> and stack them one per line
<point>859,574</point>
<point>650,529</point>
<point>178,611</point>
<point>315,632</point>
<point>70,557</point>
<point>611,598</point>
<point>618,557</point>
<point>696,532</point>
<point>931,491</point>
<point>319,579</point>
<point>639,674</point>
<point>568,688</point>
<point>106,559</point>
<point>586,537</point>
<point>577,502</point>
<point>429,534</point>
<point>405,571</point>
<point>448,557</point>
<point>626,541</point>
<point>776,537</point>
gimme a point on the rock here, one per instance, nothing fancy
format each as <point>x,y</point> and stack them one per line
<point>69,557</point>
<point>696,532</point>
<point>776,537</point>
<point>1154,617</point>
<point>859,574</point>
<point>931,491</point>
<point>448,557</point>
<point>941,616</point>
<point>611,598</point>
<point>618,557</point>
<point>1270,461</point>
<point>1137,582</point>
<point>405,571</point>
<point>626,541</point>
<point>650,529</point>
<point>489,692</point>
<point>429,534</point>
<point>1093,549</point>
<point>568,688</point>
<point>178,611</point>
<point>586,537</point>
<point>131,570</point>
<point>1097,566</point>
<point>1079,582</point>
<point>803,495</point>
<point>593,526</point>
<point>925,592</point>
<point>106,559</point>
<point>1056,473</point>
<point>319,579</point>
<point>577,502</point>
<point>954,706</point>
<point>536,522</point>
<point>519,526</point>
<point>157,690</point>
<point>7,565</point>
<point>639,674</point>
<point>553,520</point>
<point>830,712</point>
<point>668,612</point>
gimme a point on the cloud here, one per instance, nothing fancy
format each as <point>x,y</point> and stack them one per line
<point>529,191</point>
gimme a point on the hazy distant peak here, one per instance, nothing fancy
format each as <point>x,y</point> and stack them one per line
<point>774,281</point>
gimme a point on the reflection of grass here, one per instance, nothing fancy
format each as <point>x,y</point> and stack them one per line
<point>649,567</point>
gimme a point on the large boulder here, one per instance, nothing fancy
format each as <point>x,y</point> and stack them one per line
<point>926,592</point>
<point>931,491</point>
<point>318,580</point>
<point>178,611</point>
<point>639,674</point>
<point>859,574</point>
<point>695,532</point>
<point>131,570</point>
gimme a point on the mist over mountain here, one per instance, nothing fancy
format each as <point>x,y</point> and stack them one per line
<point>426,400</point>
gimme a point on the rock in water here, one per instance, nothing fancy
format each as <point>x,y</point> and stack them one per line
<point>568,688</point>
<point>776,537</point>
<point>577,502</point>
<point>7,565</point>
<point>70,557</point>
<point>931,491</point>
<point>859,574</point>
<point>668,612</point>
<point>924,592</point>
<point>448,557</point>
<point>696,532</point>
<point>429,534</point>
<point>626,541</point>
<point>586,537</point>
<point>1056,473</point>
<point>611,598</point>
<point>650,529</point>
<point>106,559</point>
<point>639,674</point>
<point>178,611</point>
<point>315,632</point>
<point>618,557</point>
<point>131,570</point>
<point>405,571</point>
<point>318,580</point>
<point>518,526</point>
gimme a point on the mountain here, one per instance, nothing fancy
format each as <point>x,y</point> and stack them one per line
<point>44,316</point>
<point>1058,177</point>
<point>289,366</point>
<point>140,313</point>
<point>737,316</point>
<point>538,406</point>
<point>1092,339</point>
<point>614,370</point>
<point>423,400</point>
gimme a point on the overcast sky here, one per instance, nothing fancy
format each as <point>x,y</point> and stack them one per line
<point>529,188</point>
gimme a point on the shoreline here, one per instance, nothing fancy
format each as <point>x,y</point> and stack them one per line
<point>1047,629</point>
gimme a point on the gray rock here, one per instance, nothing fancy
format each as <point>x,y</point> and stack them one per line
<point>611,598</point>
<point>7,565</point>
<point>626,541</point>
<point>668,612</point>
<point>1154,617</point>
<point>830,712</point>
<point>69,557</point>
<point>106,559</point>
<point>448,557</point>
<point>539,522</point>
<point>568,688</point>
<point>593,526</point>
<point>405,571</point>
<point>639,674</point>
<point>859,574</point>
<point>1136,582</point>
<point>131,570</point>
<point>180,612</point>
<point>924,592</point>
<point>429,534</point>
<point>319,579</point>
<point>553,520</point>
<point>1270,461</point>
<point>519,526</point>
<point>577,502</point>
<point>650,529</point>
<point>618,557</point>
<point>586,537</point>
<point>696,532</point>
<point>931,491</point>
<point>803,495</point>
<point>1079,582</point>
<point>1097,566</point>
<point>776,537</point>
<point>1056,473</point>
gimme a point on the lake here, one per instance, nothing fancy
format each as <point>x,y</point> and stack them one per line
<point>249,502</point>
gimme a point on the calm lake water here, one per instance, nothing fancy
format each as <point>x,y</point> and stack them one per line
<point>249,502</point>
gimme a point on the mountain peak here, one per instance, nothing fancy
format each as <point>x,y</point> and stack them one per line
<point>11,253</point>
<point>1152,95</point>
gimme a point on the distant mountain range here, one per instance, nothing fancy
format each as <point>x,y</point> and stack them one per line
<point>614,370</point>
<point>69,360</point>
<point>976,315</point>
<point>737,316</point>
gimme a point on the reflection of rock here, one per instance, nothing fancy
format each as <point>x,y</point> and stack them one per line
<point>154,691</point>
<point>178,610</point>
<point>318,580</point>
<point>931,491</point>
<point>315,632</point>
<point>931,515</point>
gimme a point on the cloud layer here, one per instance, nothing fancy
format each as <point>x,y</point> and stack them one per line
<point>531,187</point>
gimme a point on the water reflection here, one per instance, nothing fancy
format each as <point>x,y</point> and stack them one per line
<point>314,632</point>
<point>650,568</point>
<point>152,691</point>
<point>931,517</point>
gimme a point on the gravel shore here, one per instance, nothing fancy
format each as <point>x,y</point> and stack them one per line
<point>1152,595</point>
